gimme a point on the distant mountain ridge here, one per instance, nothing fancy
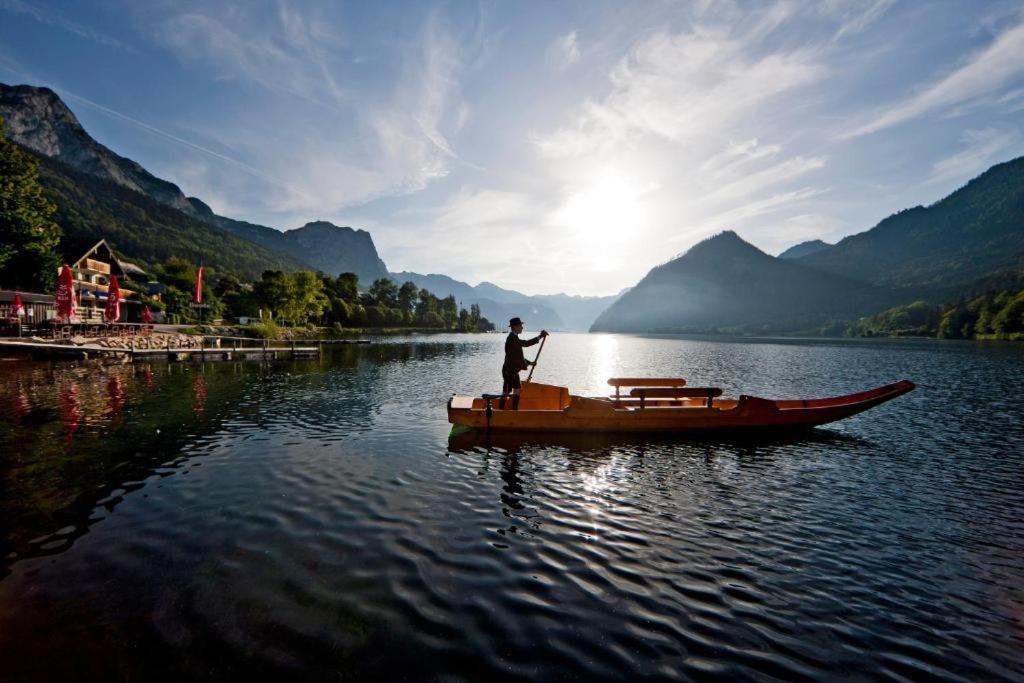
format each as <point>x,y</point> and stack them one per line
<point>805,249</point>
<point>974,233</point>
<point>39,120</point>
<point>549,311</point>
<point>962,245</point>
<point>727,284</point>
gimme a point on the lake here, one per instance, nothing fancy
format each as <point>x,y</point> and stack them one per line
<point>311,520</point>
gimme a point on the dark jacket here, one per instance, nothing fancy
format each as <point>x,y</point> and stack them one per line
<point>514,358</point>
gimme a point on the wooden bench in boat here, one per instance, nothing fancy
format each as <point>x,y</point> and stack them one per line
<point>644,393</point>
<point>647,382</point>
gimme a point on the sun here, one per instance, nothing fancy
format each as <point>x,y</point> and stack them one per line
<point>604,213</point>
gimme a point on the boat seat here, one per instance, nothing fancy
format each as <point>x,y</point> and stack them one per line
<point>643,393</point>
<point>620,382</point>
<point>647,382</point>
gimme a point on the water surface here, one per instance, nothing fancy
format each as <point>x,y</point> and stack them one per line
<point>311,520</point>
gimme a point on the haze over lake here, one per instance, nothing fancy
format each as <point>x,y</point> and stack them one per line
<point>311,518</point>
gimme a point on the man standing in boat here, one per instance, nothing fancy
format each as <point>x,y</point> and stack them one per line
<point>515,361</point>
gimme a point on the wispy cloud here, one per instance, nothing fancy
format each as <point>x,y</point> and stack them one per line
<point>364,145</point>
<point>681,87</point>
<point>279,51</point>
<point>999,64</point>
<point>167,135</point>
<point>983,147</point>
<point>565,50</point>
<point>858,16</point>
<point>52,17</point>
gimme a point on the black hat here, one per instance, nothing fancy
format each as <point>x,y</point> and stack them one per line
<point>514,321</point>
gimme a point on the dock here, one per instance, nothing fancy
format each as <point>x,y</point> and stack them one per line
<point>45,351</point>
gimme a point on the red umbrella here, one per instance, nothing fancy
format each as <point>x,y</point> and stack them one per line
<point>17,308</point>
<point>147,315</point>
<point>113,300</point>
<point>65,293</point>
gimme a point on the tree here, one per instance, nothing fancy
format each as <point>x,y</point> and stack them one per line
<point>241,303</point>
<point>407,295</point>
<point>376,316</point>
<point>273,291</point>
<point>432,319</point>
<point>28,235</point>
<point>449,310</point>
<point>427,303</point>
<point>383,292</point>
<point>1010,317</point>
<point>306,298</point>
<point>344,287</point>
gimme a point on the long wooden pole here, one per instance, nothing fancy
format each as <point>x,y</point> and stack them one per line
<point>534,366</point>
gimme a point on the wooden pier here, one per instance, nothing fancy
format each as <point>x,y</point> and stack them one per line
<point>40,350</point>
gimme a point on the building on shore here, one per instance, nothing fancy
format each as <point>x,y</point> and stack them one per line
<point>39,309</point>
<point>92,273</point>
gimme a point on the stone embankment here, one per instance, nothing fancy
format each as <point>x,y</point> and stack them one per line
<point>154,341</point>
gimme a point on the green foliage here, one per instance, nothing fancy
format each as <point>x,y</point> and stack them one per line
<point>273,291</point>
<point>383,292</point>
<point>266,329</point>
<point>144,230</point>
<point>1010,318</point>
<point>994,314</point>
<point>407,294</point>
<point>28,234</point>
<point>376,316</point>
<point>241,303</point>
<point>942,249</point>
<point>432,319</point>
<point>307,299</point>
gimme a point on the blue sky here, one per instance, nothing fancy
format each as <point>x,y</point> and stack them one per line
<point>545,147</point>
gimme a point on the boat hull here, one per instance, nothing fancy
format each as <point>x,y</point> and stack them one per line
<point>544,408</point>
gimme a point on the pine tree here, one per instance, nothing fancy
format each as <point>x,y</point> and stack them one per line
<point>28,236</point>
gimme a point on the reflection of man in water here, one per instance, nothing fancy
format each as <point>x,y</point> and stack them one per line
<point>515,361</point>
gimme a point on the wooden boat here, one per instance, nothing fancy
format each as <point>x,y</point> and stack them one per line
<point>655,405</point>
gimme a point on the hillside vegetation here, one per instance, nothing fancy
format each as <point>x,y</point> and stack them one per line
<point>90,209</point>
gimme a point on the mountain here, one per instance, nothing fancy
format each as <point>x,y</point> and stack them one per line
<point>560,312</point>
<point>335,250</point>
<point>805,249</point>
<point>963,245</point>
<point>726,284</point>
<point>577,312</point>
<point>974,233</point>
<point>536,315</point>
<point>39,120</point>
<point>140,228</point>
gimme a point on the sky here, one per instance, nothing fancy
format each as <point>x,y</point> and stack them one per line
<point>542,146</point>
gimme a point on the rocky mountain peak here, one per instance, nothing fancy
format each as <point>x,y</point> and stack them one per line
<point>38,119</point>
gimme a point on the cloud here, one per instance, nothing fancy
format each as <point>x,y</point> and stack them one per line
<point>682,144</point>
<point>355,144</point>
<point>278,51</point>
<point>53,18</point>
<point>982,73</point>
<point>984,146</point>
<point>857,17</point>
<point>565,50</point>
<point>679,88</point>
<point>166,135</point>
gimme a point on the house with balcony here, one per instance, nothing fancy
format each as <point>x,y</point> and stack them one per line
<point>92,273</point>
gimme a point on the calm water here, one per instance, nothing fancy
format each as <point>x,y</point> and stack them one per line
<point>312,521</point>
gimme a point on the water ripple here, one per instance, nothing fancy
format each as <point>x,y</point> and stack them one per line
<point>311,520</point>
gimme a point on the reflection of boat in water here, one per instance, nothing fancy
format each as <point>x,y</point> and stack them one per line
<point>656,405</point>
